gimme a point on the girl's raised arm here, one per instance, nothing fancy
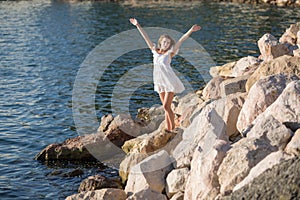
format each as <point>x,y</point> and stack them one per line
<point>194,28</point>
<point>143,33</point>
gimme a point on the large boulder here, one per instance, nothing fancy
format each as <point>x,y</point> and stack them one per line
<point>245,66</point>
<point>267,135</point>
<point>284,64</point>
<point>149,174</point>
<point>176,181</point>
<point>263,93</point>
<point>203,181</point>
<point>270,48</point>
<point>208,122</point>
<point>233,85</point>
<point>286,108</point>
<point>212,88</point>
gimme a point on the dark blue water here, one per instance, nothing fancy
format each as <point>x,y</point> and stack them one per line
<point>42,45</point>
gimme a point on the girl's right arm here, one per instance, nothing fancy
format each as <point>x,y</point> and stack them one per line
<point>142,32</point>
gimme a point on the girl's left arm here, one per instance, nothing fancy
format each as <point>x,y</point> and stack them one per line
<point>194,28</point>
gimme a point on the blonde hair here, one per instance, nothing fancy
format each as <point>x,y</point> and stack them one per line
<point>168,37</point>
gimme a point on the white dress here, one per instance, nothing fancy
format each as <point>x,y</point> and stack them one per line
<point>164,78</point>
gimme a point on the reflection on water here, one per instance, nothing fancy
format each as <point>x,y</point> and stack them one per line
<point>43,43</point>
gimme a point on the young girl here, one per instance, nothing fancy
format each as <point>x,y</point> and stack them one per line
<point>166,83</point>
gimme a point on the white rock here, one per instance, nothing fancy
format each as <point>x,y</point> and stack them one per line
<point>245,66</point>
<point>176,181</point>
<point>203,181</point>
<point>261,95</point>
<point>149,174</point>
<point>267,135</point>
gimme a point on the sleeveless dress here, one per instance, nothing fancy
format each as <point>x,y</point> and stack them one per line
<point>164,78</point>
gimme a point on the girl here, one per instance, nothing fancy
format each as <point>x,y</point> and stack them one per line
<point>166,83</point>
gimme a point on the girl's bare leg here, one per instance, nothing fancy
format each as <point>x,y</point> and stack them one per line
<point>167,99</point>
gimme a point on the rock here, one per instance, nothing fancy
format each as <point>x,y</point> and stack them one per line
<point>208,122</point>
<point>187,104</point>
<point>283,64</point>
<point>71,149</point>
<point>263,93</point>
<point>290,36</point>
<point>97,182</point>
<point>148,143</point>
<point>103,194</point>
<point>293,146</point>
<point>130,160</point>
<point>267,135</point>
<point>225,70</point>
<point>245,66</point>
<point>149,174</point>
<point>270,48</point>
<point>203,181</point>
<point>73,173</point>
<point>81,148</point>
<point>267,163</point>
<point>147,195</point>
<point>233,85</point>
<point>286,108</point>
<point>105,122</point>
<point>176,181</point>
<point>233,106</point>
<point>121,129</point>
<point>281,181</point>
<point>212,89</point>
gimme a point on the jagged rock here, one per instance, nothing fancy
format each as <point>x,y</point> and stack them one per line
<point>149,174</point>
<point>203,181</point>
<point>290,35</point>
<point>270,48</point>
<point>97,182</point>
<point>176,181</point>
<point>267,163</point>
<point>105,122</point>
<point>286,108</point>
<point>263,93</point>
<point>284,64</point>
<point>267,135</point>
<point>103,194</point>
<point>281,181</point>
<point>293,146</point>
<point>233,106</point>
<point>208,122</point>
<point>130,160</point>
<point>212,89</point>
<point>245,66</point>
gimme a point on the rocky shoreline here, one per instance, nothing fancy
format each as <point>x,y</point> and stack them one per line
<point>239,137</point>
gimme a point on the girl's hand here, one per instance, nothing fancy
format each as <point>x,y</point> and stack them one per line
<point>133,21</point>
<point>195,28</point>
